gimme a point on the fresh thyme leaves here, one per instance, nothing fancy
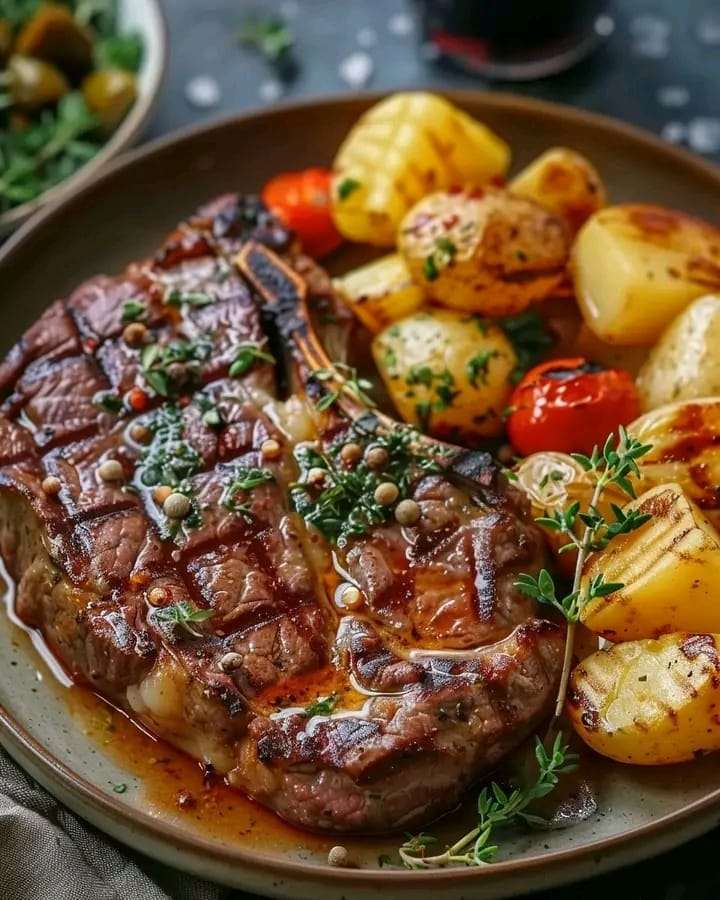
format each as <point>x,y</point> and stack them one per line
<point>270,36</point>
<point>323,706</point>
<point>176,297</point>
<point>109,401</point>
<point>344,505</point>
<point>441,383</point>
<point>211,415</point>
<point>348,381</point>
<point>133,310</point>
<point>616,465</point>
<point>347,187</point>
<point>245,358</point>
<point>171,368</point>
<point>477,366</point>
<point>168,459</point>
<point>183,615</point>
<point>441,256</point>
<point>496,808</point>
<point>241,481</point>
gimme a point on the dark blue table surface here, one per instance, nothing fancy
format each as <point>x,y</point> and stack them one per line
<point>659,68</point>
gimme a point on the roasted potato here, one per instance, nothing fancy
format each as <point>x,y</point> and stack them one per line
<point>564,182</point>
<point>381,292</point>
<point>635,267</point>
<point>448,373</point>
<point>685,440</point>
<point>669,569</point>
<point>685,362</point>
<point>402,149</point>
<point>492,254</point>
<point>649,702</point>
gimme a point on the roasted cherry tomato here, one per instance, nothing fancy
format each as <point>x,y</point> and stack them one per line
<point>570,405</point>
<point>302,201</point>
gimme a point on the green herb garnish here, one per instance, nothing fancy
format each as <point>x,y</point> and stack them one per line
<point>156,361</point>
<point>347,187</point>
<point>442,256</point>
<point>168,459</point>
<point>496,808</point>
<point>441,383</point>
<point>270,36</point>
<point>323,706</point>
<point>529,336</point>
<point>133,310</point>
<point>211,415</point>
<point>245,358</point>
<point>109,401</point>
<point>350,383</point>
<point>119,788</point>
<point>243,480</point>
<point>183,615</point>
<point>119,51</point>
<point>477,366</point>
<point>176,297</point>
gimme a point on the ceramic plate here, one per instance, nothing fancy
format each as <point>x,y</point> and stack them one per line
<point>152,798</point>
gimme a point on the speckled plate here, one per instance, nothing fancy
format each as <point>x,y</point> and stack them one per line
<point>154,799</point>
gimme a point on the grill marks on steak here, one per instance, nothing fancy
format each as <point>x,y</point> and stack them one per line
<point>446,663</point>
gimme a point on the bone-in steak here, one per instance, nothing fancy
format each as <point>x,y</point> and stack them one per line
<point>226,631</point>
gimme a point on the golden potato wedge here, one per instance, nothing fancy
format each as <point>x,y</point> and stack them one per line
<point>669,569</point>
<point>685,440</point>
<point>564,182</point>
<point>649,702</point>
<point>635,267</point>
<point>402,149</point>
<point>685,362</point>
<point>492,253</point>
<point>447,373</point>
<point>380,292</point>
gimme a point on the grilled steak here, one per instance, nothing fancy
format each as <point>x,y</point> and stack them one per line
<point>350,672</point>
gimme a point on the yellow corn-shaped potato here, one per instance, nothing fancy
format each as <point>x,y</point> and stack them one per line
<point>403,148</point>
<point>381,292</point>
<point>649,702</point>
<point>669,569</point>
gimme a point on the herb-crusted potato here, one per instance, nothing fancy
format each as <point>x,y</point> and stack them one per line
<point>649,702</point>
<point>635,267</point>
<point>685,439</point>
<point>380,292</point>
<point>489,253</point>
<point>403,148</point>
<point>669,569</point>
<point>448,373</point>
<point>564,182</point>
<point>685,362</point>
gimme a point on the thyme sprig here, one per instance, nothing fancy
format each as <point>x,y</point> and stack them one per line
<point>183,615</point>
<point>246,356</point>
<point>323,706</point>
<point>345,380</point>
<point>615,465</point>
<point>496,808</point>
<point>243,480</point>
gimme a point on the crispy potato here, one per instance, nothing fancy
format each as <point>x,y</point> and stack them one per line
<point>669,569</point>
<point>685,440</point>
<point>685,362</point>
<point>492,254</point>
<point>380,292</point>
<point>635,267</point>
<point>403,148</point>
<point>447,372</point>
<point>564,182</point>
<point>649,702</point>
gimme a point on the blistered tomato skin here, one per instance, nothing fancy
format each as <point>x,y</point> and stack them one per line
<point>302,201</point>
<point>570,405</point>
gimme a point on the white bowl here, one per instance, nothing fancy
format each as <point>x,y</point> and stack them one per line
<point>147,19</point>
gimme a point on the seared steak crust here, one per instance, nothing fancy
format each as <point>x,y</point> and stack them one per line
<point>443,671</point>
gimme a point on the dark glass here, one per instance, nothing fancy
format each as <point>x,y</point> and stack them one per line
<point>511,39</point>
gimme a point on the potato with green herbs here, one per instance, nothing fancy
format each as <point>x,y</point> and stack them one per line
<point>685,362</point>
<point>649,702</point>
<point>380,292</point>
<point>564,182</point>
<point>635,267</point>
<point>401,149</point>
<point>447,372</point>
<point>488,253</point>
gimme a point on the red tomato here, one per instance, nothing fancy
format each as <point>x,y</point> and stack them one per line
<point>302,201</point>
<point>570,405</point>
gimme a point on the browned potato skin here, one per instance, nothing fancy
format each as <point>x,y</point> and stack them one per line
<point>564,182</point>
<point>510,252</point>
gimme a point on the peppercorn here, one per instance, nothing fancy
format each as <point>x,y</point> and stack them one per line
<point>51,485</point>
<point>376,457</point>
<point>407,512</point>
<point>386,493</point>
<point>111,470</point>
<point>176,506</point>
<point>351,453</point>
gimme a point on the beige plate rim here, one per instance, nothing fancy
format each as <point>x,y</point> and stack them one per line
<point>618,846</point>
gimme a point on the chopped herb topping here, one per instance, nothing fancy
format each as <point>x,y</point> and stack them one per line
<point>477,366</point>
<point>350,382</point>
<point>109,401</point>
<point>347,187</point>
<point>323,706</point>
<point>176,297</point>
<point>529,336</point>
<point>172,368</point>
<point>245,358</point>
<point>168,459</point>
<point>242,481</point>
<point>442,383</point>
<point>442,256</point>
<point>211,415</point>
<point>183,615</point>
<point>119,788</point>
<point>133,310</point>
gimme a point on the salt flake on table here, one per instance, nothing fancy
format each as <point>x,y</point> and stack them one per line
<point>367,37</point>
<point>356,69</point>
<point>674,132</point>
<point>703,134</point>
<point>202,91</point>
<point>401,24</point>
<point>673,96</point>
<point>708,29</point>
<point>270,90</point>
